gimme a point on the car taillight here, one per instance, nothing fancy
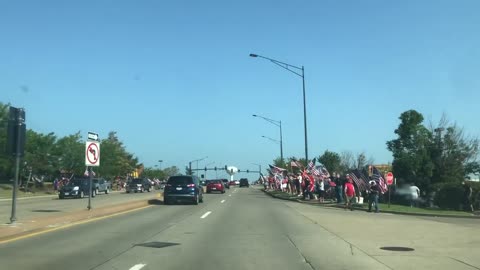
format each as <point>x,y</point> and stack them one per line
<point>191,185</point>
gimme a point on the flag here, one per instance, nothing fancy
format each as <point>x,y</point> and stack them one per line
<point>276,169</point>
<point>377,176</point>
<point>312,169</point>
<point>323,171</point>
<point>295,163</point>
<point>356,176</point>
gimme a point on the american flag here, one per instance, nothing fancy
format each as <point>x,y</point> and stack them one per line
<point>312,169</point>
<point>276,169</point>
<point>295,163</point>
<point>323,171</point>
<point>377,176</point>
<point>356,176</point>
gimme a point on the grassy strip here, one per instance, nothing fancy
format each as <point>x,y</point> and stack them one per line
<point>384,207</point>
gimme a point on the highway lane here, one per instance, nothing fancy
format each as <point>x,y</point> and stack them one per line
<point>245,229</point>
<point>29,208</point>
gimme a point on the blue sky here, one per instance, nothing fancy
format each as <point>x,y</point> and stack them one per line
<point>174,79</point>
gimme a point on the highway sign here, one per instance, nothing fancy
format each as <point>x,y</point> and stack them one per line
<point>389,178</point>
<point>93,136</point>
<point>92,153</point>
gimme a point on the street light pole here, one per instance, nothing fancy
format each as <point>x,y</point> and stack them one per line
<point>278,124</point>
<point>197,160</point>
<point>302,74</point>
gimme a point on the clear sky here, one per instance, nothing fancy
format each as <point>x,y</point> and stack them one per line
<point>174,78</point>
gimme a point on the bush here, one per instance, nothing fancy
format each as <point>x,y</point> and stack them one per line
<point>450,195</point>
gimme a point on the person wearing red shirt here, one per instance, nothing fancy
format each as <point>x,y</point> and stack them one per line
<point>349,190</point>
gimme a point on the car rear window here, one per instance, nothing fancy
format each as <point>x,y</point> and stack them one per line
<point>179,180</point>
<point>215,182</point>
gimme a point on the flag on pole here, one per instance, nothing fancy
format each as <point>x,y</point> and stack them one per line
<point>359,181</point>
<point>276,169</point>
<point>323,171</point>
<point>377,176</point>
<point>312,169</point>
<point>295,163</point>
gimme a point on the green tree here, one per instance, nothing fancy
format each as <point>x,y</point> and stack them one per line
<point>331,160</point>
<point>279,163</point>
<point>69,151</point>
<point>40,153</point>
<point>115,160</point>
<point>412,161</point>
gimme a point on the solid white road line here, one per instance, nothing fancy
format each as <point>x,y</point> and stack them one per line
<point>137,266</point>
<point>206,214</point>
<point>222,201</point>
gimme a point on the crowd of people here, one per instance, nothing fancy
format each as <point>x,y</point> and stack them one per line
<point>334,188</point>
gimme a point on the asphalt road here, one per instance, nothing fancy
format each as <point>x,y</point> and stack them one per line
<point>246,229</point>
<point>33,207</point>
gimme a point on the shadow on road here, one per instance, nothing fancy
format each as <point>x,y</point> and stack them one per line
<point>46,211</point>
<point>155,202</point>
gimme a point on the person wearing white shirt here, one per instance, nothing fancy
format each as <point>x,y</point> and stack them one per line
<point>414,195</point>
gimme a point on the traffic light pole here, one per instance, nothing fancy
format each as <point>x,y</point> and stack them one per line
<point>19,122</point>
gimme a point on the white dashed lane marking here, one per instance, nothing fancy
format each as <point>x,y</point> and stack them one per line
<point>222,201</point>
<point>137,266</point>
<point>206,214</point>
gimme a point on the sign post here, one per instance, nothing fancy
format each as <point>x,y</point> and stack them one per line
<point>92,159</point>
<point>389,178</point>
<point>15,146</point>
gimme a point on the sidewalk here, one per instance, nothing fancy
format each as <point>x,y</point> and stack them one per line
<point>285,196</point>
<point>11,232</point>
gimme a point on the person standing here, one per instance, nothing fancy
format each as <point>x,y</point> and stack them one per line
<point>320,189</point>
<point>414,195</point>
<point>301,184</point>
<point>338,187</point>
<point>467,197</point>
<point>306,187</point>
<point>349,193</point>
<point>374,191</point>
<point>55,184</point>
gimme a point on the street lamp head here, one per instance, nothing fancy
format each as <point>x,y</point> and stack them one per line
<point>253,55</point>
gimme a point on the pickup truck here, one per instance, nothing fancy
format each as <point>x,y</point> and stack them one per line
<point>101,185</point>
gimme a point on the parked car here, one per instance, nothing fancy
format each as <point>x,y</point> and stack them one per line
<point>139,185</point>
<point>183,188</point>
<point>232,183</point>
<point>226,183</point>
<point>101,185</point>
<point>215,185</point>
<point>77,188</point>
<point>244,182</point>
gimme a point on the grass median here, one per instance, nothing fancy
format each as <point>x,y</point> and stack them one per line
<point>394,208</point>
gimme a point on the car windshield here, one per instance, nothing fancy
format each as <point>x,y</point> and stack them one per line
<point>347,133</point>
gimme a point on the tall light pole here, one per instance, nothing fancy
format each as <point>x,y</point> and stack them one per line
<point>302,75</point>
<point>278,124</point>
<point>196,160</point>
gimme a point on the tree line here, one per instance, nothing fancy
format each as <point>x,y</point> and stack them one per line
<point>426,155</point>
<point>49,155</point>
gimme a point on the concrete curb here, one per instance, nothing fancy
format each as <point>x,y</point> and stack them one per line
<point>381,211</point>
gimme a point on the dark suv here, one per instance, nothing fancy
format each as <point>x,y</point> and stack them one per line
<point>244,182</point>
<point>139,185</point>
<point>183,188</point>
<point>76,188</point>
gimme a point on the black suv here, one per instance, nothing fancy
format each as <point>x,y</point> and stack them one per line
<point>183,188</point>
<point>139,185</point>
<point>244,182</point>
<point>76,188</point>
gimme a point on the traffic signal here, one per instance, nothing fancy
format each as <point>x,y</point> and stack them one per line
<point>215,168</point>
<point>205,168</point>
